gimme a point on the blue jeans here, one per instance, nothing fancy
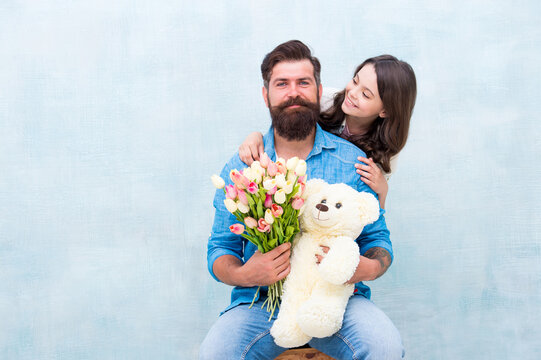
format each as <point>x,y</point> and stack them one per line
<point>243,333</point>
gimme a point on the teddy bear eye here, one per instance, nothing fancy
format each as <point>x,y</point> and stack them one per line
<point>338,205</point>
<point>324,201</point>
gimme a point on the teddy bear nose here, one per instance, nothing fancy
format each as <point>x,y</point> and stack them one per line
<point>322,207</point>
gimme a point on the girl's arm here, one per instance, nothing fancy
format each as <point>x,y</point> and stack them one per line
<point>251,148</point>
<point>372,176</point>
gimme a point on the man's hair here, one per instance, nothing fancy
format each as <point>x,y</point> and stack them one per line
<point>293,50</point>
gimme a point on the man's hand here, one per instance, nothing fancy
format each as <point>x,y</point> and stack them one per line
<point>252,148</point>
<point>259,270</point>
<point>325,250</point>
<point>265,269</point>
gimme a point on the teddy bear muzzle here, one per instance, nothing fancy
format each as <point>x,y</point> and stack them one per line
<point>320,212</point>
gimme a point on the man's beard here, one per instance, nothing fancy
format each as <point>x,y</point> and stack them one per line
<point>297,123</point>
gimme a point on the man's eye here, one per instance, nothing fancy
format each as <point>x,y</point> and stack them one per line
<point>304,83</point>
<point>324,201</point>
<point>281,84</point>
<point>338,205</point>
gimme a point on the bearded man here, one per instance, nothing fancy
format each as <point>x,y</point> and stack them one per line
<point>292,91</point>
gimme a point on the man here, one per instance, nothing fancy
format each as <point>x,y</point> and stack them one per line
<point>292,91</point>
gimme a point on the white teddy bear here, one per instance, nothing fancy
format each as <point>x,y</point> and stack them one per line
<point>315,295</point>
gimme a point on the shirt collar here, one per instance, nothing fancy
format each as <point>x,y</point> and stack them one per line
<point>322,141</point>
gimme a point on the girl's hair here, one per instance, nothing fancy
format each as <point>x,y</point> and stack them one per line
<point>397,89</point>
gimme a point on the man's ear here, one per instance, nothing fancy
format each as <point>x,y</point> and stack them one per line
<point>265,95</point>
<point>320,91</point>
<point>382,114</point>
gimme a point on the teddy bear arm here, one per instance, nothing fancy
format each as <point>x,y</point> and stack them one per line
<point>340,263</point>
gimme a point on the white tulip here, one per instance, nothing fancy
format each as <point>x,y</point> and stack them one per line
<point>248,173</point>
<point>291,176</point>
<point>292,163</point>
<point>256,166</point>
<point>300,170</point>
<point>268,217</point>
<point>242,207</point>
<point>280,180</point>
<point>231,205</point>
<point>218,182</point>
<point>269,184</point>
<point>280,196</point>
<point>288,187</point>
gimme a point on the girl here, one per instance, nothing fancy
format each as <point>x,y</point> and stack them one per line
<point>373,112</point>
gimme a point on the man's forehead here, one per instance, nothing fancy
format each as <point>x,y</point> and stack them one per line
<point>296,69</point>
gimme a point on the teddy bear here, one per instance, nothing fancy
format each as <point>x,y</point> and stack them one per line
<point>315,295</point>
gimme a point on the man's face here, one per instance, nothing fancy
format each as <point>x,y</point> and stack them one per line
<point>293,99</point>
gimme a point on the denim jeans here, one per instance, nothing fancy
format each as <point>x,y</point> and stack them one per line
<point>243,333</point>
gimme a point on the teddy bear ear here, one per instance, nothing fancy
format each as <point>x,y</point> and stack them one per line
<point>369,207</point>
<point>313,186</point>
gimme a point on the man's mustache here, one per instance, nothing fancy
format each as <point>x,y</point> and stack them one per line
<point>295,101</point>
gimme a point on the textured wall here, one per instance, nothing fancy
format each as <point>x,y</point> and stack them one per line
<point>113,115</point>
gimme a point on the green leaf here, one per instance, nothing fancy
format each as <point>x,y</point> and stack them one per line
<point>260,212</point>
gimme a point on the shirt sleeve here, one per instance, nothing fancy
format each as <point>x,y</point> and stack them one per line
<point>222,241</point>
<point>375,234</point>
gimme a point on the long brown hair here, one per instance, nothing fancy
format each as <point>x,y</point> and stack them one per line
<point>386,136</point>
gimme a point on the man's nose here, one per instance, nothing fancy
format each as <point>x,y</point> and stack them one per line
<point>293,91</point>
<point>322,207</point>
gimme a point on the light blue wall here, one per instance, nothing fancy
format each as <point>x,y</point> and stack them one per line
<point>113,115</point>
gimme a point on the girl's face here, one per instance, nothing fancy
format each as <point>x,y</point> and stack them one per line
<point>362,103</point>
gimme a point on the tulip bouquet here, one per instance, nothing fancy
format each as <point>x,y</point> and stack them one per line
<point>266,198</point>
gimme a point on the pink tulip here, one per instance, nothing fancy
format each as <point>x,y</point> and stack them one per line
<point>302,179</point>
<point>272,191</point>
<point>236,177</point>
<point>297,203</point>
<point>242,196</point>
<point>264,160</point>
<point>231,192</point>
<point>250,222</point>
<point>252,188</point>
<point>268,200</point>
<point>272,169</point>
<point>263,226</point>
<point>245,181</point>
<point>282,169</point>
<point>276,210</point>
<point>237,229</point>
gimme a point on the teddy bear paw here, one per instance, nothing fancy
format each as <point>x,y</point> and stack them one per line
<point>288,334</point>
<point>319,319</point>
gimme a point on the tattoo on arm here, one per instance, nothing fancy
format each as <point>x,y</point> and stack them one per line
<point>381,255</point>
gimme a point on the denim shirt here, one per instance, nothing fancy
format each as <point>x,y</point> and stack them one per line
<point>331,159</point>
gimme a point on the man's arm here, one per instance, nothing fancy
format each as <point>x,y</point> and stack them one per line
<point>259,270</point>
<point>226,251</point>
<point>375,246</point>
<point>372,265</point>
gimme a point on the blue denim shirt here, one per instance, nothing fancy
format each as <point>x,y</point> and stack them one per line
<point>332,159</point>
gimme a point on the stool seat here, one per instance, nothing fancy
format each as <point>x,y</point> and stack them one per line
<point>302,354</point>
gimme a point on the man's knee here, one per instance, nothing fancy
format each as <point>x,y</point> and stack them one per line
<point>386,348</point>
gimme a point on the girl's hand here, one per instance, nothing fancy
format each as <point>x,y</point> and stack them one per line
<point>251,148</point>
<point>372,176</point>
